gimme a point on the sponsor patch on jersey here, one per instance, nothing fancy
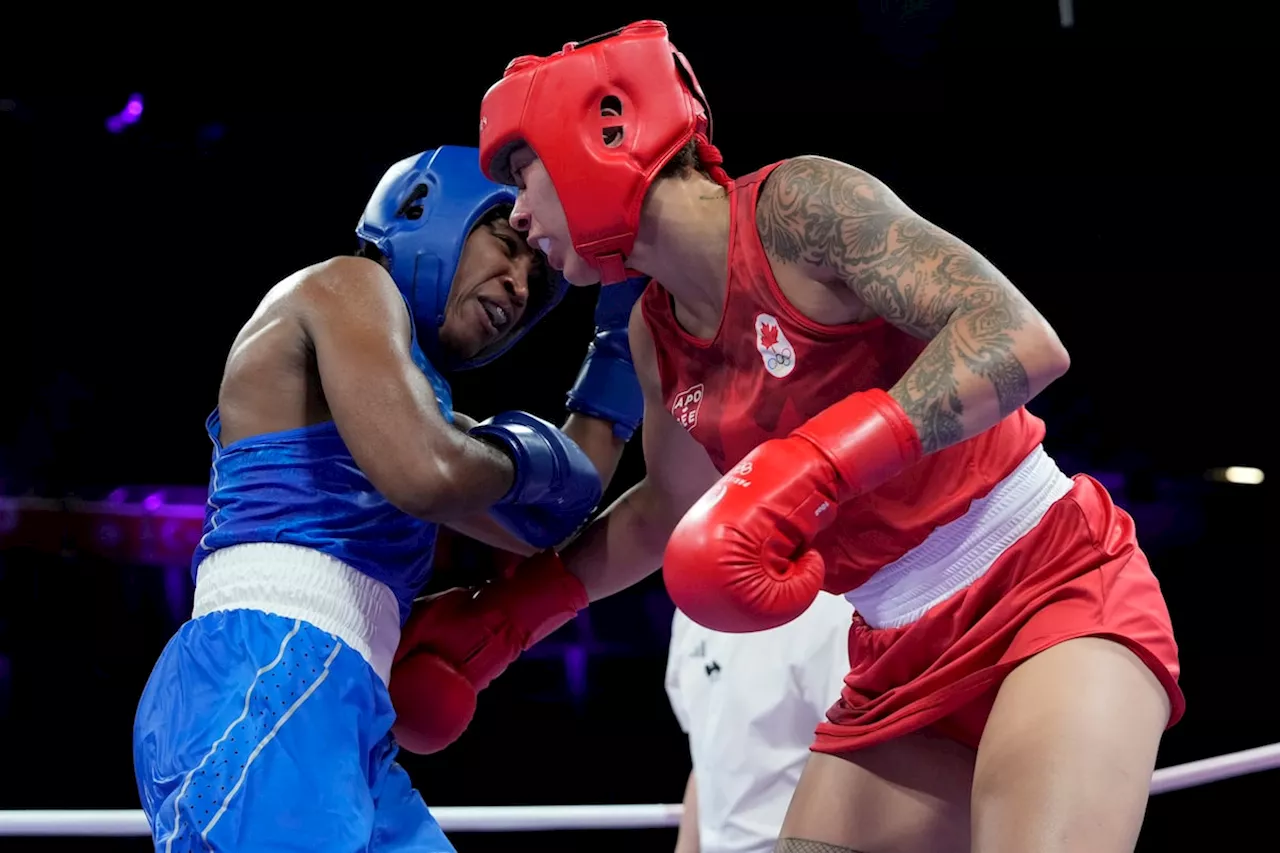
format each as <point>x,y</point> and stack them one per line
<point>684,408</point>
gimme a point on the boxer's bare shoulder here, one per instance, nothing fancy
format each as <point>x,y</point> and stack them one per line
<point>844,226</point>
<point>271,378</point>
<point>990,351</point>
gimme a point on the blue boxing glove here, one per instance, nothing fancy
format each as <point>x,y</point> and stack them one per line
<point>607,387</point>
<point>556,486</point>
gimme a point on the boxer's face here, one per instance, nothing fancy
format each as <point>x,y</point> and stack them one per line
<point>490,290</point>
<point>539,213</point>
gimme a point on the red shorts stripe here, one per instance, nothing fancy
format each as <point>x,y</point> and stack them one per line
<point>1078,573</point>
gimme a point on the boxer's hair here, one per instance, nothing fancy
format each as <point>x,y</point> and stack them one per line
<point>684,162</point>
<point>502,211</point>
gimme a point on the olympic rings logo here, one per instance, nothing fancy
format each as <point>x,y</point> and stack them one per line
<point>778,358</point>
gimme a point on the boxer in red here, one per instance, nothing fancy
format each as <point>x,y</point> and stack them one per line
<point>835,395</point>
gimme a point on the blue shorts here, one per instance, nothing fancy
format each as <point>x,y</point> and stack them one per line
<point>259,732</point>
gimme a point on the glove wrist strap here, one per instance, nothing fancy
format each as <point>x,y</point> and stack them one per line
<point>539,597</point>
<point>867,437</point>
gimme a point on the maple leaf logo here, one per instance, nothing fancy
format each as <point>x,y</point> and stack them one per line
<point>774,348</point>
<point>768,335</point>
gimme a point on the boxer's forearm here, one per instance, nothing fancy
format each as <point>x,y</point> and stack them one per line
<point>623,546</point>
<point>596,438</point>
<point>979,368</point>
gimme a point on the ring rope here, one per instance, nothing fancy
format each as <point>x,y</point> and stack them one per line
<point>132,822</point>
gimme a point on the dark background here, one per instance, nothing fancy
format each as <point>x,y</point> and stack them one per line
<point>1114,168</point>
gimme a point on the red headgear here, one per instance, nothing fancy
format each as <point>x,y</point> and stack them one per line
<point>555,105</point>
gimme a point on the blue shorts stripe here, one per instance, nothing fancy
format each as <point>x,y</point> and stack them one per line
<point>218,769</point>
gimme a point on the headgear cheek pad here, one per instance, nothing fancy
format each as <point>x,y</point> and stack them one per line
<point>419,218</point>
<point>555,105</point>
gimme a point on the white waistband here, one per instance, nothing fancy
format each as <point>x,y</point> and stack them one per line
<point>300,583</point>
<point>958,553</point>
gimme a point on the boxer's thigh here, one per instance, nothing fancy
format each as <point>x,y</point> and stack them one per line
<point>253,733</point>
<point>1066,758</point>
<point>909,795</point>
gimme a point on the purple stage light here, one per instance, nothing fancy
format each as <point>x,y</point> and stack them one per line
<point>153,502</point>
<point>131,113</point>
<point>575,670</point>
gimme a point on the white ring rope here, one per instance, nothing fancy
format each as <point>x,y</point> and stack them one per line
<point>103,822</point>
<point>132,822</point>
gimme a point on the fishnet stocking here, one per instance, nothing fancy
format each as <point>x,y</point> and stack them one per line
<point>803,845</point>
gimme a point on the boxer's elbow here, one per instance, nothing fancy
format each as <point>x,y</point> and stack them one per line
<point>1043,356</point>
<point>424,494</point>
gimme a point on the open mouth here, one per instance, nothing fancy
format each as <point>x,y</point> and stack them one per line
<point>498,316</point>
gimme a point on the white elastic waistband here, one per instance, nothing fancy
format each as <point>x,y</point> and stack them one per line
<point>300,583</point>
<point>955,555</point>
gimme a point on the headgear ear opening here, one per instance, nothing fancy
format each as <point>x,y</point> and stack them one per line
<point>410,209</point>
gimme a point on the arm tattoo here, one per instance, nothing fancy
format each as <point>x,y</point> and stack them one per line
<point>932,394</point>
<point>824,214</point>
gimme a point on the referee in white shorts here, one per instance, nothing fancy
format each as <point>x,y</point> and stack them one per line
<point>749,704</point>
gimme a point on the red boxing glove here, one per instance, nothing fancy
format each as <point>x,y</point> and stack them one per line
<point>457,642</point>
<point>741,558</point>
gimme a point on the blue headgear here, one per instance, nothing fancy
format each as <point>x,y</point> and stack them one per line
<point>419,217</point>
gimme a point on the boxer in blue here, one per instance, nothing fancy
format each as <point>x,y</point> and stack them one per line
<point>266,724</point>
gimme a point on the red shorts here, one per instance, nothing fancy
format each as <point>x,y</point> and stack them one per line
<point>1077,573</point>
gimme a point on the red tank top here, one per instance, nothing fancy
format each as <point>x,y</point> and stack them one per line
<point>769,369</point>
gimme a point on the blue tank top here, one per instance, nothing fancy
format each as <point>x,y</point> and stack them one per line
<point>302,487</point>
